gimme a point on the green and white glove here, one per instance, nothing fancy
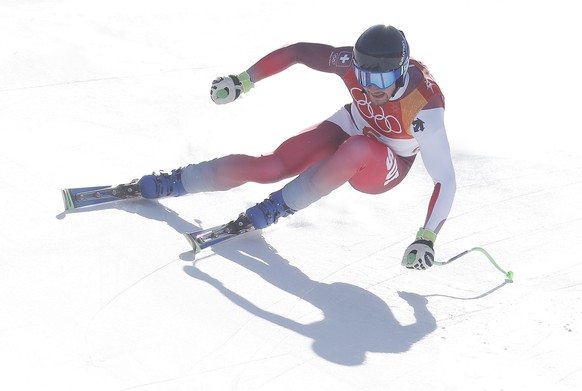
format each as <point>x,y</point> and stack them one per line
<point>227,89</point>
<point>420,254</point>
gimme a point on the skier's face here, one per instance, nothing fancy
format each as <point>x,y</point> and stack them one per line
<point>378,96</point>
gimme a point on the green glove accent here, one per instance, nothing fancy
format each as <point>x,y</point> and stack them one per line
<point>245,81</point>
<point>426,234</point>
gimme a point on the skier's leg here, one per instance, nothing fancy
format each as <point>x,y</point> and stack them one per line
<point>291,158</point>
<point>368,165</point>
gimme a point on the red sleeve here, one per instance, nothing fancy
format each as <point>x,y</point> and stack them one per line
<point>317,56</point>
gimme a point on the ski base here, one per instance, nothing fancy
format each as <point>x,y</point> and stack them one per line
<point>85,196</point>
<point>199,240</point>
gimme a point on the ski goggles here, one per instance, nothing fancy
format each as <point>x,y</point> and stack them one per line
<point>379,79</point>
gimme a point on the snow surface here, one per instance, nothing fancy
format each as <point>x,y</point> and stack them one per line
<point>111,298</point>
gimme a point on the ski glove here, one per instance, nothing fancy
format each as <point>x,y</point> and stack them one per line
<point>227,89</point>
<point>420,254</point>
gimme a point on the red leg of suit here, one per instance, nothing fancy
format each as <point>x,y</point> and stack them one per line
<point>290,159</point>
<point>368,165</point>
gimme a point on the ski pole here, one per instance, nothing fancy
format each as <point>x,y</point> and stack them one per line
<point>508,274</point>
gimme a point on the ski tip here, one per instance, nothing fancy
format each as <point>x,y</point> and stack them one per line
<point>68,199</point>
<point>193,243</point>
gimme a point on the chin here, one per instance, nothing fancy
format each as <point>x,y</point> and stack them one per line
<point>379,102</point>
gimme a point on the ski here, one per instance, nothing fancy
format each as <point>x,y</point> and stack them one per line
<point>84,196</point>
<point>199,240</point>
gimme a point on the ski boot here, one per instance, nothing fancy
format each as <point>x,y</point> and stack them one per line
<point>162,185</point>
<point>269,211</point>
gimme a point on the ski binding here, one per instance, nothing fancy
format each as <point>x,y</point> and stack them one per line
<point>199,240</point>
<point>84,196</point>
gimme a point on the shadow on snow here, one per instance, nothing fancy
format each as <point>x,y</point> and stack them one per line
<point>354,322</point>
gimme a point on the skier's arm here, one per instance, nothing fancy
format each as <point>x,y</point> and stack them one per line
<point>436,155</point>
<point>314,55</point>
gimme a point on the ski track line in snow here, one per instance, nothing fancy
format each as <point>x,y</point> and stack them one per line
<point>363,258</point>
<point>228,339</point>
<point>293,305</point>
<point>570,374</point>
<point>530,231</point>
<point>114,298</point>
<point>94,80</point>
<point>522,195</point>
<point>191,371</point>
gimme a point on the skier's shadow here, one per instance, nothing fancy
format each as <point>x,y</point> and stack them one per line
<point>354,322</point>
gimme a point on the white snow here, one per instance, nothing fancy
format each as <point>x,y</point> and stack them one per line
<point>111,298</point>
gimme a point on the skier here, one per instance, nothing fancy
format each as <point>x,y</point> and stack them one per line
<point>397,111</point>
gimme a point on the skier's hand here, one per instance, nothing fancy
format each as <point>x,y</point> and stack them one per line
<point>227,89</point>
<point>420,254</point>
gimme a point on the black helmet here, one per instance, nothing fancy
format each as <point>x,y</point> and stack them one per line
<point>380,49</point>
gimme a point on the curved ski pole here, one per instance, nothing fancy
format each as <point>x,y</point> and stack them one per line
<point>508,274</point>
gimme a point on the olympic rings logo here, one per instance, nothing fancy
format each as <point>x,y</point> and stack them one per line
<point>384,123</point>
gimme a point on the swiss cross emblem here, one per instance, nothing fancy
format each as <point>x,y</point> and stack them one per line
<point>342,59</point>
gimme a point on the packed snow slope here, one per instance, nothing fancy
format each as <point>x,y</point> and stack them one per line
<point>112,298</point>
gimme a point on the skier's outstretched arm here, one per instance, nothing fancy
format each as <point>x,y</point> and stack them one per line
<point>316,56</point>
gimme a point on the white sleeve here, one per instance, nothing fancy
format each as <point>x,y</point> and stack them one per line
<point>429,130</point>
